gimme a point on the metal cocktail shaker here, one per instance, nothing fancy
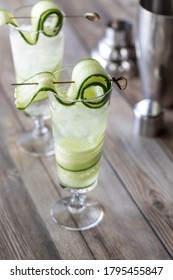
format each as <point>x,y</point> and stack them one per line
<point>154,47</point>
<point>115,50</point>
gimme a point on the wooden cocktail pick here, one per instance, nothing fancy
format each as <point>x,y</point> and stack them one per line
<point>91,16</point>
<point>121,82</point>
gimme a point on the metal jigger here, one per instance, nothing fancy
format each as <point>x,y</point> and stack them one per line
<point>115,51</point>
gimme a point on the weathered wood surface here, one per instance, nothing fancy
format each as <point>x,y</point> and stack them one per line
<point>135,184</point>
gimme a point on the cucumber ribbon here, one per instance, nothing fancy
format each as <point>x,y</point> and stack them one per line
<point>92,85</point>
<point>39,16</point>
<point>41,82</point>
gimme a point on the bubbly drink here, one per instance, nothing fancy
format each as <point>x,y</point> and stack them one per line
<point>45,55</point>
<point>78,134</point>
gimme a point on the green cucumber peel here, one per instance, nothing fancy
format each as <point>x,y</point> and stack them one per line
<point>92,88</point>
<point>80,170</point>
<point>88,74</point>
<point>39,14</point>
<point>25,95</point>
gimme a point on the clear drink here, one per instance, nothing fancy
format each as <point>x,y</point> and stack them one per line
<point>79,126</point>
<point>78,134</point>
<point>45,55</point>
<point>29,59</point>
<point>79,103</point>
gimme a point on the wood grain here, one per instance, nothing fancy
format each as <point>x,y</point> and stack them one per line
<point>135,184</point>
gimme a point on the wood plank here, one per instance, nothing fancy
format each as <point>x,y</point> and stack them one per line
<point>13,4</point>
<point>130,8</point>
<point>19,219</point>
<point>123,230</point>
<point>115,234</point>
<point>138,210</point>
<point>147,172</point>
<point>89,32</point>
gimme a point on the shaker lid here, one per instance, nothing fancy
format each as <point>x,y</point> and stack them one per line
<point>148,118</point>
<point>120,32</point>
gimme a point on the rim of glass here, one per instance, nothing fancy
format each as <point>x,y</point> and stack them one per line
<point>79,100</point>
<point>19,28</point>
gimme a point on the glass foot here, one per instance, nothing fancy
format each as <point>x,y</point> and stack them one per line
<point>37,145</point>
<point>86,216</point>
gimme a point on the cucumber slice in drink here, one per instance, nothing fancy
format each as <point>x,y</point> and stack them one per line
<point>40,13</point>
<point>72,158</point>
<point>79,179</point>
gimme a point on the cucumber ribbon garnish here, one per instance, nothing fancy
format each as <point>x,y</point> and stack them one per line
<point>39,21</point>
<point>89,83</point>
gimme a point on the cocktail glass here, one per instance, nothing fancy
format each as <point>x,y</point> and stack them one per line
<point>78,131</point>
<point>45,55</point>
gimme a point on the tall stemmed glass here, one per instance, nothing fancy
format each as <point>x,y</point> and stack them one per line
<point>45,55</point>
<point>78,129</point>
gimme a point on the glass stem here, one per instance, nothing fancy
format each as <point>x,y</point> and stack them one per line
<point>77,203</point>
<point>39,127</point>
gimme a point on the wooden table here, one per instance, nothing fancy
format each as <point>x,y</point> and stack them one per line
<point>136,179</point>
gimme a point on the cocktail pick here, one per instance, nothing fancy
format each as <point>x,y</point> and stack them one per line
<point>91,16</point>
<point>121,82</point>
<point>30,84</point>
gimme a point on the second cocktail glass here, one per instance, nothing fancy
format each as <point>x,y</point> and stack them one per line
<point>45,55</point>
<point>78,128</point>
